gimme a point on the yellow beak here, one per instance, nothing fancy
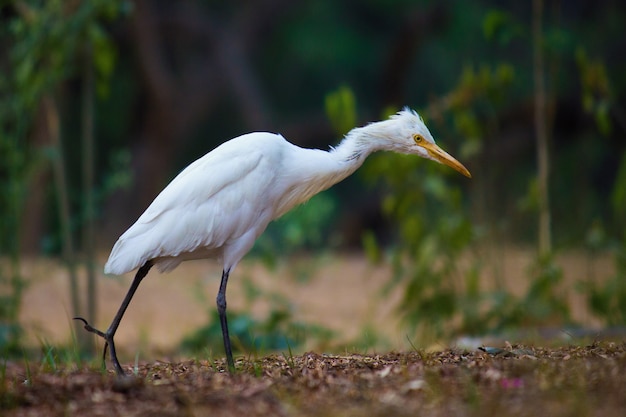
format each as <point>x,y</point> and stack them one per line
<point>445,158</point>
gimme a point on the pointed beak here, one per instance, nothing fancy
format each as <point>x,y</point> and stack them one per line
<point>445,158</point>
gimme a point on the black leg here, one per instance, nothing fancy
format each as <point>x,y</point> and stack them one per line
<point>221,309</point>
<point>110,333</point>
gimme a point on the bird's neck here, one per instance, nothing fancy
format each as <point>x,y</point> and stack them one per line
<point>353,150</point>
<point>320,170</point>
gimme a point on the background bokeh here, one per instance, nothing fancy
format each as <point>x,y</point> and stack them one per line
<point>103,102</point>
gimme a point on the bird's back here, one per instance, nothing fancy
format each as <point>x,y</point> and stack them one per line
<point>216,207</point>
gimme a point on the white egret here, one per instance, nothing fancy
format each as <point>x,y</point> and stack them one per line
<point>220,204</point>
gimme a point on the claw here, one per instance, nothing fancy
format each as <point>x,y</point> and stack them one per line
<point>104,351</point>
<point>91,329</point>
<point>103,335</point>
<point>82,319</point>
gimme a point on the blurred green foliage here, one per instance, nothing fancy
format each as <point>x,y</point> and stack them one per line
<point>437,259</point>
<point>608,299</point>
<point>307,227</point>
<point>501,27</point>
<point>276,332</point>
<point>48,37</point>
<point>436,231</point>
<point>596,90</point>
<point>44,40</point>
<point>341,109</point>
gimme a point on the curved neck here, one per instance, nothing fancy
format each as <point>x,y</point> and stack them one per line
<point>316,170</point>
<point>355,147</point>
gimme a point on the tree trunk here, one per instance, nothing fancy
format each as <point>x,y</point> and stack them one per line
<point>88,235</point>
<point>58,165</point>
<point>541,131</point>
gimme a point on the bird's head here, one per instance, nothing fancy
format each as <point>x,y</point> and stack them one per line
<point>405,132</point>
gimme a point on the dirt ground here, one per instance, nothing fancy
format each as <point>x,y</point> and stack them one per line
<point>519,381</point>
<point>343,294</point>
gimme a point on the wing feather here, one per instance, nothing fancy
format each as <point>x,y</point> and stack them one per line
<point>215,199</point>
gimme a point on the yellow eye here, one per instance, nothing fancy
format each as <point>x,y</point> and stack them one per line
<point>418,138</point>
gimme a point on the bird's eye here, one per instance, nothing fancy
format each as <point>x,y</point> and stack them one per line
<point>418,138</point>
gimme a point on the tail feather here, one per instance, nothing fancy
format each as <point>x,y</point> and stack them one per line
<point>123,260</point>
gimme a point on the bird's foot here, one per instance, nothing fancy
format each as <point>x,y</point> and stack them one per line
<point>92,329</point>
<point>108,343</point>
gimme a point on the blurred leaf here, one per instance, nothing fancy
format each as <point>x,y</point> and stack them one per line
<point>558,41</point>
<point>596,90</point>
<point>104,57</point>
<point>341,109</point>
<point>277,332</point>
<point>530,201</point>
<point>596,236</point>
<point>501,27</point>
<point>372,250</point>
<point>618,196</point>
<point>305,227</point>
<point>467,124</point>
<point>471,148</point>
<point>505,74</point>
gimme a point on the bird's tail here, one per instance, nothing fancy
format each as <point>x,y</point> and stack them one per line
<point>123,258</point>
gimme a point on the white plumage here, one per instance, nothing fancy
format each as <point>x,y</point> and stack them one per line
<point>220,204</point>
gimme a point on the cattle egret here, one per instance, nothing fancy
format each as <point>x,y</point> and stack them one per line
<point>219,205</point>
